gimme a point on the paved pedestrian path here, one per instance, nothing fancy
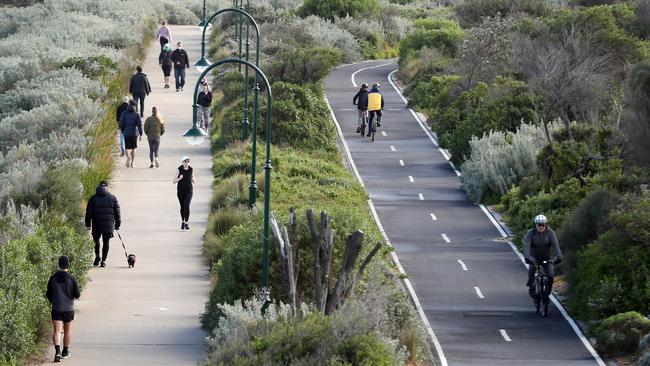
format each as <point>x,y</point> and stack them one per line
<point>149,315</point>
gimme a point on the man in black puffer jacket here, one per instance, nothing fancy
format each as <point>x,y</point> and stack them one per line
<point>103,215</point>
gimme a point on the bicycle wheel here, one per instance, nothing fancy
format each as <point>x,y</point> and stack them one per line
<point>545,293</point>
<point>537,298</point>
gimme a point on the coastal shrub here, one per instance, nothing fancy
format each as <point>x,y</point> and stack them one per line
<point>472,12</point>
<point>328,9</point>
<point>612,272</point>
<point>620,334</point>
<point>442,34</point>
<point>499,160</point>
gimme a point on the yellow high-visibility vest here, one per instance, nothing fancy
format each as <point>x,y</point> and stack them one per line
<point>374,101</point>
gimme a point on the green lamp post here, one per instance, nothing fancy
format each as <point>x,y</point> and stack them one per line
<point>194,131</point>
<point>202,64</point>
<point>203,23</point>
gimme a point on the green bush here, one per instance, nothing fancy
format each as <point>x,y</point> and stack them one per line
<point>25,266</point>
<point>619,335</point>
<point>304,65</point>
<point>329,9</point>
<point>586,222</point>
<point>441,34</point>
<point>471,12</point>
<point>612,273</point>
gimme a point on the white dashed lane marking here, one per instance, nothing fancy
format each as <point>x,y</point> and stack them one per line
<point>462,265</point>
<point>479,293</point>
<point>505,336</point>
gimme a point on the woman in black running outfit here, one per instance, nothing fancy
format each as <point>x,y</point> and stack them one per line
<point>184,180</point>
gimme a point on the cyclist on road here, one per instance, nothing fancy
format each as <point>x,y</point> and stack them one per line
<point>538,243</point>
<point>361,101</point>
<point>375,105</point>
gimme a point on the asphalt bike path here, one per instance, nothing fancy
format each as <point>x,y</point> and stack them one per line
<point>467,279</point>
<point>149,315</point>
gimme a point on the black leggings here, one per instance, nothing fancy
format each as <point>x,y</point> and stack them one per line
<point>163,41</point>
<point>106,237</point>
<point>140,98</point>
<point>154,144</point>
<point>184,198</point>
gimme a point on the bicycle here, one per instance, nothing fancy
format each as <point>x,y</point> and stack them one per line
<point>373,124</point>
<point>541,288</point>
<point>364,122</point>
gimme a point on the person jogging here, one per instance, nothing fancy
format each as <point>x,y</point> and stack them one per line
<point>184,180</point>
<point>62,289</point>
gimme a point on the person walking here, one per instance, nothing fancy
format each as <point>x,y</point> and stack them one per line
<point>204,99</point>
<point>102,216</point>
<point>118,113</point>
<point>164,35</point>
<point>184,180</point>
<point>131,127</point>
<point>62,289</point>
<point>154,127</point>
<point>139,88</point>
<point>181,62</point>
<point>165,62</point>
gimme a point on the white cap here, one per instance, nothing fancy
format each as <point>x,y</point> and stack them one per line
<point>185,157</point>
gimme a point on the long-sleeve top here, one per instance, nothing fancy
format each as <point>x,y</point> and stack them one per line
<point>153,128</point>
<point>164,32</point>
<point>61,291</point>
<point>180,59</point>
<point>205,99</point>
<point>537,246</point>
<point>139,84</point>
<point>131,124</point>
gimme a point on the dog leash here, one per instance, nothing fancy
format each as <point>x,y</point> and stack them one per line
<point>122,241</point>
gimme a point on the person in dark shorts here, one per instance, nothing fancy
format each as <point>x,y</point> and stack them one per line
<point>184,180</point>
<point>62,289</point>
<point>131,127</point>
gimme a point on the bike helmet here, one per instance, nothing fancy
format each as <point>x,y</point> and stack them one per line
<point>364,86</point>
<point>375,86</point>
<point>541,219</point>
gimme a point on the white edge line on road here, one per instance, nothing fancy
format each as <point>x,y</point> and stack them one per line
<point>407,282</point>
<point>411,179</point>
<point>505,336</point>
<point>557,304</point>
<point>478,292</point>
<point>401,162</point>
<point>345,144</point>
<point>462,265</point>
<point>445,238</point>
<point>433,217</point>
<point>354,74</point>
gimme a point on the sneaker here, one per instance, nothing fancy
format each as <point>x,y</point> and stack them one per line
<point>57,357</point>
<point>182,226</point>
<point>156,161</point>
<point>187,226</point>
<point>65,354</point>
<point>103,264</point>
<point>132,165</point>
<point>122,153</point>
<point>151,166</point>
<point>181,88</point>
<point>96,262</point>
<point>177,90</point>
<point>368,135</point>
<point>128,162</point>
<point>378,124</point>
<point>358,129</point>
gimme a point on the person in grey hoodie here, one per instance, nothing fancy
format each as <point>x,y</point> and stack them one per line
<point>62,289</point>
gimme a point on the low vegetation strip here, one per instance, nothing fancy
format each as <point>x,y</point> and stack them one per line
<point>375,325</point>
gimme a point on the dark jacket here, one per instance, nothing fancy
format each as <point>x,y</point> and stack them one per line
<point>205,99</point>
<point>62,289</point>
<point>139,84</point>
<point>103,212</point>
<point>537,246</point>
<point>118,112</point>
<point>165,58</point>
<point>180,59</point>
<point>361,99</point>
<point>131,124</point>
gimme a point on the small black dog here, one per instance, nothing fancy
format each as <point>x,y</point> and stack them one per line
<point>131,260</point>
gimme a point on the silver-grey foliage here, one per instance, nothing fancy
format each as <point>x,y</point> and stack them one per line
<point>499,160</point>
